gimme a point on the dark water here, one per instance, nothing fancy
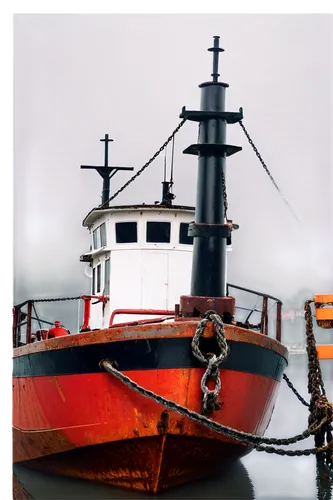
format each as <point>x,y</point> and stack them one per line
<point>258,475</point>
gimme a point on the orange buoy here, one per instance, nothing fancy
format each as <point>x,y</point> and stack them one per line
<point>325,351</point>
<point>324,310</point>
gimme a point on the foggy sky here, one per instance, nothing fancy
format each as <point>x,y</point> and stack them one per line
<point>77,77</point>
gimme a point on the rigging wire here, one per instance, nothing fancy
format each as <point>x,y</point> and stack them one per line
<point>292,211</point>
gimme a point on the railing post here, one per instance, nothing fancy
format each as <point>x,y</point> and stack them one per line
<point>264,317</point>
<point>86,313</point>
<point>278,321</point>
<point>28,339</point>
<point>15,316</point>
<point>18,327</point>
<point>11,339</point>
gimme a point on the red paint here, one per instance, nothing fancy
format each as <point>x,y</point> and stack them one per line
<point>57,331</point>
<point>142,322</point>
<point>56,416</point>
<point>87,303</point>
<point>143,312</point>
<point>175,329</point>
<point>97,413</point>
<point>86,314</point>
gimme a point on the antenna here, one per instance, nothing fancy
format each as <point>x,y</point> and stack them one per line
<point>172,156</point>
<point>216,49</point>
<point>105,171</point>
<point>165,159</point>
<point>167,196</point>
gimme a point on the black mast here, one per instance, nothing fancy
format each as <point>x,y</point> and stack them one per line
<point>211,229</point>
<point>105,171</point>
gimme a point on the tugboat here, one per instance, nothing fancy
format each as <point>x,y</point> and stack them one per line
<point>160,322</point>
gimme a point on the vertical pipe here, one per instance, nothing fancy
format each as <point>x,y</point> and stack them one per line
<point>17,328</point>
<point>264,316</point>
<point>28,339</point>
<point>209,253</point>
<point>106,170</point>
<point>86,314</point>
<point>78,316</point>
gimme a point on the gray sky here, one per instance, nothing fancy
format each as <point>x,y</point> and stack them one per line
<point>79,76</point>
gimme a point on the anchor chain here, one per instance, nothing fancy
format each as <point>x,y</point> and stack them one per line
<point>139,172</point>
<point>297,394</point>
<point>319,406</point>
<point>244,438</point>
<point>211,361</point>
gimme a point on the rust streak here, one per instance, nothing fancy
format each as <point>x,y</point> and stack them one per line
<point>163,423</point>
<point>61,394</point>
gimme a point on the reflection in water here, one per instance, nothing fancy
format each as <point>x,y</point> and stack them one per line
<point>228,484</point>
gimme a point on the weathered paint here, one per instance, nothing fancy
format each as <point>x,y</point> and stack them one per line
<point>99,420</point>
<point>120,420</point>
<point>181,328</point>
<point>150,464</point>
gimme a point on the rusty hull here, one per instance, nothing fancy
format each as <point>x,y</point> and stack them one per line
<point>91,426</point>
<point>151,464</point>
<point>171,330</point>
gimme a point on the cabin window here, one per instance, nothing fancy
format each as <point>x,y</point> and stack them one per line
<point>96,239</point>
<point>98,281</point>
<point>93,281</point>
<point>103,234</point>
<point>126,232</point>
<point>184,239</point>
<point>107,277</point>
<point>158,232</point>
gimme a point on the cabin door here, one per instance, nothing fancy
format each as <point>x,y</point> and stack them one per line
<point>154,280</point>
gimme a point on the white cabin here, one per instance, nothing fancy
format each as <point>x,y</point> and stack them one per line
<point>140,257</point>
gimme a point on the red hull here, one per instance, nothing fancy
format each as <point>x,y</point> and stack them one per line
<point>90,425</point>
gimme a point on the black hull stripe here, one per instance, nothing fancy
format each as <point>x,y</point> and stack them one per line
<point>147,355</point>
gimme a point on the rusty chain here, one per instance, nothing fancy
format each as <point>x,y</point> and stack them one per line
<point>225,199</point>
<point>139,172</point>
<point>240,436</point>
<point>319,405</point>
<point>247,135</point>
<point>321,411</point>
<point>60,299</point>
<point>211,361</point>
<point>297,394</point>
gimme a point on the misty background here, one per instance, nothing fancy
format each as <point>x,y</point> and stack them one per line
<point>78,77</point>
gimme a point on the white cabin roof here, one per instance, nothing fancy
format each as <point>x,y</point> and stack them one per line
<point>97,213</point>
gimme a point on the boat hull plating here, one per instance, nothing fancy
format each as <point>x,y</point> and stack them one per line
<point>73,419</point>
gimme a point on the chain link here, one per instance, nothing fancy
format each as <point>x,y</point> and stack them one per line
<point>60,299</point>
<point>243,437</point>
<point>319,404</point>
<point>211,361</point>
<point>321,411</point>
<point>297,394</point>
<point>225,199</point>
<point>268,172</point>
<point>34,301</point>
<point>139,172</point>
